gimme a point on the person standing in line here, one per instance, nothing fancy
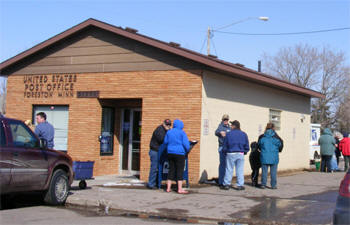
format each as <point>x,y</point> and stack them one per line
<point>221,132</point>
<point>156,141</point>
<point>235,146</point>
<point>338,137</point>
<point>327,144</point>
<point>44,130</point>
<point>344,147</point>
<point>178,145</point>
<point>270,144</point>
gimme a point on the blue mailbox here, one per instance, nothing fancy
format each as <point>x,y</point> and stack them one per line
<point>163,164</point>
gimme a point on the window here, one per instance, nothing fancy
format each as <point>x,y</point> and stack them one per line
<point>107,131</point>
<point>2,135</point>
<point>21,136</point>
<point>275,118</point>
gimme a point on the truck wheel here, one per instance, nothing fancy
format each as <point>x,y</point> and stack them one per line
<point>82,184</point>
<point>58,189</point>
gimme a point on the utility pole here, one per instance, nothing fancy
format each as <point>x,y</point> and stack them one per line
<point>208,42</point>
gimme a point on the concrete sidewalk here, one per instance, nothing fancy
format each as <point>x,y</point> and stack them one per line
<point>203,202</point>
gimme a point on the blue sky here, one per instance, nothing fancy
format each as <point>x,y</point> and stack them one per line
<point>26,23</point>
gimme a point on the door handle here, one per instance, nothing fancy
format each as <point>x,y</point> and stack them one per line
<point>15,153</point>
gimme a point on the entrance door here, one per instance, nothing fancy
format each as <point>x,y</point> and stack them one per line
<point>130,141</point>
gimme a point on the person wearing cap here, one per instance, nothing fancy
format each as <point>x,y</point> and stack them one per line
<point>220,132</point>
<point>44,130</point>
<point>156,141</point>
<point>235,146</point>
<point>344,147</point>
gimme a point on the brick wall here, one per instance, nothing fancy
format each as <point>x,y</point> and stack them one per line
<point>164,94</point>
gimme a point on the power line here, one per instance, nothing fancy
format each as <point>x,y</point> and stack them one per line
<point>289,33</point>
<point>205,39</point>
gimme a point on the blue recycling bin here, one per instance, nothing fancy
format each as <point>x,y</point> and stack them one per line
<point>163,164</point>
<point>83,170</point>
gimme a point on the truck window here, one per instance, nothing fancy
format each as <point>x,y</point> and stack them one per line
<point>21,136</point>
<point>2,135</point>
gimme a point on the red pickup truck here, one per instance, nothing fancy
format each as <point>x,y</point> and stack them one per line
<point>26,164</point>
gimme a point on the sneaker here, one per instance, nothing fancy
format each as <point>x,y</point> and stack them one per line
<point>226,187</point>
<point>262,186</point>
<point>152,188</point>
<point>275,187</point>
<point>240,188</point>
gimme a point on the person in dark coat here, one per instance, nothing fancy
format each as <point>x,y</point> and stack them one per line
<point>177,145</point>
<point>156,141</point>
<point>269,145</point>
<point>221,132</point>
<point>255,164</point>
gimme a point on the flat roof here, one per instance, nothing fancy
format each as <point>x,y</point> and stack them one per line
<point>217,64</point>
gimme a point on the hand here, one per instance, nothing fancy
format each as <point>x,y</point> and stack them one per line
<point>223,133</point>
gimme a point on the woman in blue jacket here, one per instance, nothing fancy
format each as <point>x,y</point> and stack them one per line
<point>177,145</point>
<point>269,145</point>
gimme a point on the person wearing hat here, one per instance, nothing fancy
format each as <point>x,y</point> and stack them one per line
<point>221,132</point>
<point>235,146</point>
<point>156,141</point>
<point>344,147</point>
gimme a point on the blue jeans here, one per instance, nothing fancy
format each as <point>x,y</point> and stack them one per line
<point>234,160</point>
<point>153,172</point>
<point>222,166</point>
<point>334,164</point>
<point>273,174</point>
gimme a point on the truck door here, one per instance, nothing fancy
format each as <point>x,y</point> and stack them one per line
<point>5,161</point>
<point>30,169</point>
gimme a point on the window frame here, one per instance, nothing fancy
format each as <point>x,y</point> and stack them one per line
<point>277,113</point>
<point>2,135</point>
<point>111,152</point>
<point>37,143</point>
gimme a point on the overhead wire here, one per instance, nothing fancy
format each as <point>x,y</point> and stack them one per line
<point>287,33</point>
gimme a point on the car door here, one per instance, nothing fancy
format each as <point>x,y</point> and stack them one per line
<point>5,161</point>
<point>30,163</point>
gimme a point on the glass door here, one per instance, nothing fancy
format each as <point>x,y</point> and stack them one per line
<point>130,141</point>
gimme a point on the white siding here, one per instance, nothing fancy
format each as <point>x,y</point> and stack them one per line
<point>250,103</point>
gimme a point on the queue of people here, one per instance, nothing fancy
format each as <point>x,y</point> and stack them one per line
<point>234,144</point>
<point>331,148</point>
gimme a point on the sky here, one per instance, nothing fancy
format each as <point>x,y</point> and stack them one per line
<point>23,24</point>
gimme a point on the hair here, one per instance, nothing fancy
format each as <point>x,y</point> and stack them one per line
<point>42,115</point>
<point>236,124</point>
<point>338,135</point>
<point>269,126</point>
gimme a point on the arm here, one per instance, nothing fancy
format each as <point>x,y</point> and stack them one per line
<point>246,143</point>
<point>185,142</point>
<point>37,131</point>
<point>158,135</point>
<point>225,145</point>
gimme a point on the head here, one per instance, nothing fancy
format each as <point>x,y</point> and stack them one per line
<point>235,125</point>
<point>327,131</point>
<point>167,124</point>
<point>270,126</point>
<point>40,117</point>
<point>225,118</point>
<point>178,124</point>
<point>345,134</point>
<point>338,135</point>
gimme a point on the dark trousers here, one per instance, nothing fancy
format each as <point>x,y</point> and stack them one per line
<point>326,163</point>
<point>254,159</point>
<point>346,162</point>
<point>176,167</point>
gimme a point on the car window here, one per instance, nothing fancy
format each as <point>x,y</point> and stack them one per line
<point>2,135</point>
<point>21,136</point>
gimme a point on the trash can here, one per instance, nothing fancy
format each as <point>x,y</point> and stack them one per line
<point>83,170</point>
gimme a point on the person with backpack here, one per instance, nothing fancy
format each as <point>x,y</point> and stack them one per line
<point>270,145</point>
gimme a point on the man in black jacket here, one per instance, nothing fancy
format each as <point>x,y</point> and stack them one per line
<point>156,141</point>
